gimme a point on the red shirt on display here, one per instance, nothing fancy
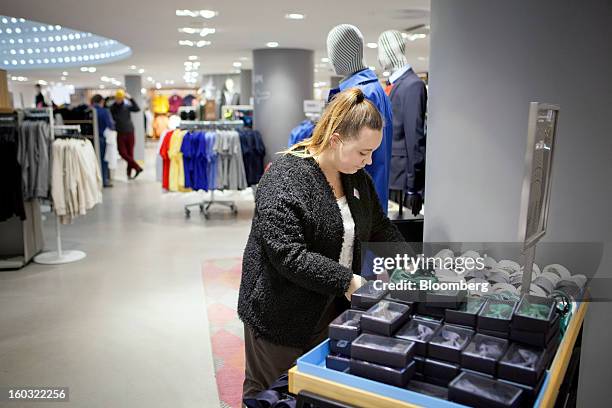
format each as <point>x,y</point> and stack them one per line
<point>163,152</point>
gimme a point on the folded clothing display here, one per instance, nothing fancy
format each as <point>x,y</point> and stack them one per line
<point>388,375</point>
<point>366,296</point>
<point>522,364</point>
<point>388,351</point>
<point>483,353</point>
<point>420,332</point>
<point>347,326</point>
<point>479,391</point>
<point>496,315</point>
<point>449,342</point>
<point>467,313</point>
<point>385,318</point>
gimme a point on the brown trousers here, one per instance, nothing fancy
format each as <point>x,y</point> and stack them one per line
<point>266,361</point>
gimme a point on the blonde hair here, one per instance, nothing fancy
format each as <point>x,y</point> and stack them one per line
<point>348,112</point>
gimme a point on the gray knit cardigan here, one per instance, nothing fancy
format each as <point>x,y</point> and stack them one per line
<point>290,268</point>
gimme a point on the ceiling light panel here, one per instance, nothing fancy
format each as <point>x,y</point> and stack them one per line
<point>30,44</point>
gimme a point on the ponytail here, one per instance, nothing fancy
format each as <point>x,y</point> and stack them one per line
<point>348,112</point>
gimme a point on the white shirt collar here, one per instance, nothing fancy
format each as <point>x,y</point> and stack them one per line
<point>397,74</point>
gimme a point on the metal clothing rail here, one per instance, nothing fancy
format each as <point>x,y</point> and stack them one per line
<point>206,204</point>
<point>60,256</point>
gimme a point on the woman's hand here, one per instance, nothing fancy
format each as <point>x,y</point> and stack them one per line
<point>355,284</point>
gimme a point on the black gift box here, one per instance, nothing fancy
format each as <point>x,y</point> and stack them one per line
<point>467,370</point>
<point>388,375</point>
<point>420,363</point>
<point>338,363</point>
<point>420,332</point>
<point>483,353</point>
<point>387,351</point>
<point>494,333</point>
<point>534,314</point>
<point>392,298</point>
<point>366,296</point>
<point>522,364</point>
<point>429,311</point>
<point>440,372</point>
<point>467,313</point>
<point>446,299</point>
<point>428,318</point>
<point>496,315</point>
<point>385,318</point>
<point>342,347</point>
<point>482,392</point>
<point>347,326</point>
<point>530,392</point>
<point>537,339</point>
<point>448,343</point>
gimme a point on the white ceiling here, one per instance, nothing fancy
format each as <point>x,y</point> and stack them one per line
<point>150,28</point>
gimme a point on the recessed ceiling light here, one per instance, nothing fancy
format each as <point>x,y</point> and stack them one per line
<point>83,69</point>
<point>158,86</point>
<point>141,71</point>
<point>143,91</point>
<point>102,87</point>
<point>193,57</point>
<point>272,44</point>
<point>63,78</point>
<point>237,64</point>
<point>197,13</point>
<point>91,69</point>
<point>372,45</point>
<point>65,73</point>
<point>294,16</point>
<point>243,59</point>
<point>422,58</point>
<point>386,73</point>
<point>324,59</point>
<point>132,66</point>
<point>150,79</point>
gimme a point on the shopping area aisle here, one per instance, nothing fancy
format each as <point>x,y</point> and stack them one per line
<point>125,327</point>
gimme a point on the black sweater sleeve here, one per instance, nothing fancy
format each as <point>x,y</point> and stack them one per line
<point>281,217</point>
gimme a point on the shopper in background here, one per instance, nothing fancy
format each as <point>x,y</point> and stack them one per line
<point>121,111</point>
<point>313,209</point>
<point>345,51</point>
<point>104,122</point>
<point>40,98</point>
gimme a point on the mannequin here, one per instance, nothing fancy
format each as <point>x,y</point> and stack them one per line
<point>409,101</point>
<point>345,51</point>
<point>230,97</point>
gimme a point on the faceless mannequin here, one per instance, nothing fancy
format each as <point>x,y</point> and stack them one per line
<point>229,90</point>
<point>392,50</point>
<point>345,49</point>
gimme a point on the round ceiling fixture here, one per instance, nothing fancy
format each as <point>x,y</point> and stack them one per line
<point>26,44</point>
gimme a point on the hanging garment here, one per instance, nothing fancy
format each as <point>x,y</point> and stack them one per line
<point>211,155</point>
<point>11,190</point>
<point>160,104</point>
<point>188,100</point>
<point>188,158</point>
<point>160,125</point>
<point>253,153</point>
<point>176,180</point>
<point>300,132</point>
<point>33,155</point>
<point>367,81</point>
<point>195,160</point>
<point>163,152</point>
<point>149,123</point>
<point>230,164</point>
<point>76,181</point>
<point>174,102</point>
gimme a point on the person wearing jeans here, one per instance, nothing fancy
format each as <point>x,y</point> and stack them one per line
<point>121,112</point>
<point>104,122</point>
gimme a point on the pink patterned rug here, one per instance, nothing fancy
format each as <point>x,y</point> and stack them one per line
<point>221,278</point>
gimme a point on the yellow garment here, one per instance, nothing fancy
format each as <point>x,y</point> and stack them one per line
<point>176,176</point>
<point>120,94</point>
<point>160,104</point>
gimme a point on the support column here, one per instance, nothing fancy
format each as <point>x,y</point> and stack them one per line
<point>133,84</point>
<point>282,80</point>
<point>246,86</point>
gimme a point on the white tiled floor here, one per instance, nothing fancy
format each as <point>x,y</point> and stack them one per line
<point>126,326</point>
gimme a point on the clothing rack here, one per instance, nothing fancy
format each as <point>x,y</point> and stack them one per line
<point>93,121</point>
<point>61,256</point>
<point>22,240</point>
<point>206,204</point>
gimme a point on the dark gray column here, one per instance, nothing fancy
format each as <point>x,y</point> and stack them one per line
<point>246,86</point>
<point>282,79</point>
<point>133,85</point>
<point>489,59</point>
